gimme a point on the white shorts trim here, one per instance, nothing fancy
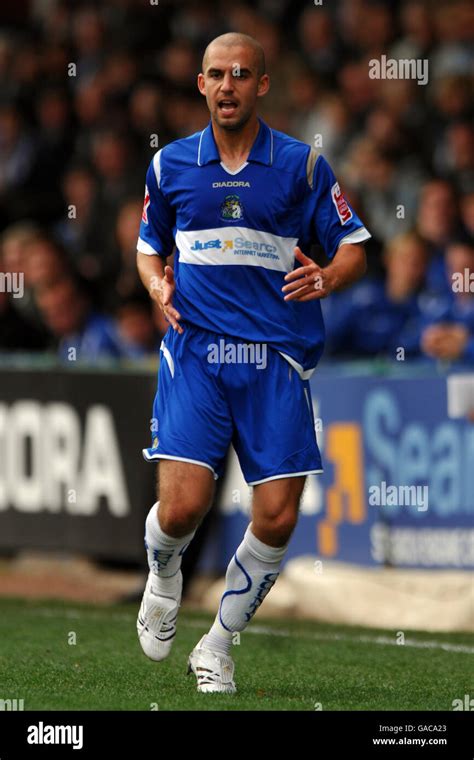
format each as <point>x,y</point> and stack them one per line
<point>152,457</point>
<point>305,374</point>
<point>285,475</point>
<point>168,357</point>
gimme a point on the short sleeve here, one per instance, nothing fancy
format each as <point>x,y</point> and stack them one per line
<point>329,219</point>
<point>158,218</point>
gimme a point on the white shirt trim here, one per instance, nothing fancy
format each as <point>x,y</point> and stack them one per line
<point>355,237</point>
<point>233,173</point>
<point>199,148</point>
<point>144,247</point>
<point>157,166</point>
<point>236,246</point>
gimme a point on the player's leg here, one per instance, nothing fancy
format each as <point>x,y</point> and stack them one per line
<point>185,494</point>
<point>276,444</point>
<point>191,435</point>
<point>255,566</point>
<point>256,563</point>
<point>275,507</point>
<point>250,575</point>
<point>276,454</point>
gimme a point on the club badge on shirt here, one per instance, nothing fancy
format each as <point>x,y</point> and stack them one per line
<point>232,209</point>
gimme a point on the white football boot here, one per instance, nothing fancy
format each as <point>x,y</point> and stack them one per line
<point>214,671</point>
<point>156,622</point>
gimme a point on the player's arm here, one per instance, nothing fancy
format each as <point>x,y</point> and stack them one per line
<point>311,281</point>
<point>330,221</point>
<point>155,244</point>
<point>158,279</point>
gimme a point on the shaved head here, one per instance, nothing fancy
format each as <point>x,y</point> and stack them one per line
<point>235,39</point>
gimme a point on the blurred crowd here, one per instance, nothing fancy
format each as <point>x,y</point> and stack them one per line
<point>89,91</point>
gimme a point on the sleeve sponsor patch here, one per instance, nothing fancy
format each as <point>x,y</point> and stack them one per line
<point>343,211</point>
<point>146,203</point>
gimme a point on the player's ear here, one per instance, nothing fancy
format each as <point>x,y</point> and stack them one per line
<point>201,83</point>
<point>263,85</point>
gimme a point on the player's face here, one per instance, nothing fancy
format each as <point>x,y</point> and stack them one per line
<point>231,85</point>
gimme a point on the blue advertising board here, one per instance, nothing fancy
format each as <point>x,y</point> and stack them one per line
<point>398,481</point>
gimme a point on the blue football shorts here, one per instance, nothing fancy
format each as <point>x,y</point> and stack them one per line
<point>215,390</point>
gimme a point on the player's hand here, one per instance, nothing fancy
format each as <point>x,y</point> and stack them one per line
<point>308,282</point>
<point>164,297</point>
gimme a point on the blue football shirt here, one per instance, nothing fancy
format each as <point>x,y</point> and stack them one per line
<point>235,234</point>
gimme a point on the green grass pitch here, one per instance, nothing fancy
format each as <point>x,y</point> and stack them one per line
<point>280,665</point>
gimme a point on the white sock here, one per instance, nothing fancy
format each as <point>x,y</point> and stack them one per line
<point>165,555</point>
<point>250,575</point>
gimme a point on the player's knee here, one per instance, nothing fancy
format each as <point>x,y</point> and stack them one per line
<point>277,525</point>
<point>184,491</point>
<point>282,529</point>
<point>180,519</point>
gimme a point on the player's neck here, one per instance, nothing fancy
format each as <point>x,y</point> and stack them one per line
<point>234,147</point>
